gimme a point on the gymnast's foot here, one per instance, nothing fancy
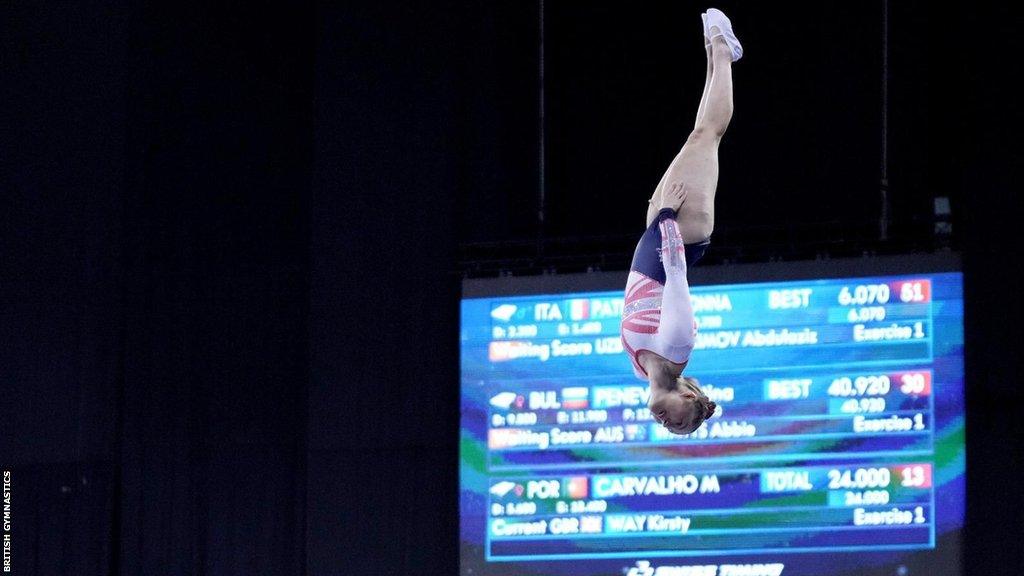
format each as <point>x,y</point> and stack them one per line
<point>719,25</point>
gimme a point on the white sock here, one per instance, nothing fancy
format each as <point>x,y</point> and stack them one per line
<point>717,19</point>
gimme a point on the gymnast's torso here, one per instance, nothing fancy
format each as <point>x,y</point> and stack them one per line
<point>657,315</point>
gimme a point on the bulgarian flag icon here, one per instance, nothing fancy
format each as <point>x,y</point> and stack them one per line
<point>575,398</point>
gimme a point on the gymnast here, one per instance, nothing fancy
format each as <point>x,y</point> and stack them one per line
<point>658,325</point>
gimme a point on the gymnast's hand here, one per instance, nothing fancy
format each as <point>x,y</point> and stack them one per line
<point>673,196</point>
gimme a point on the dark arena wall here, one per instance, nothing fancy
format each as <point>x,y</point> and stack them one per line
<point>233,240</point>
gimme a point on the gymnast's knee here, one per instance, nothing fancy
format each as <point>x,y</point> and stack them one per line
<point>705,131</point>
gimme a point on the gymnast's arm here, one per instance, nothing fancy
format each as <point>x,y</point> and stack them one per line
<point>675,332</point>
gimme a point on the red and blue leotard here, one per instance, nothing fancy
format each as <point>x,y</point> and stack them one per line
<point>657,314</point>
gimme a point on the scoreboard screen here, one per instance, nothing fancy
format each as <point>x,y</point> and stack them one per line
<point>839,448</point>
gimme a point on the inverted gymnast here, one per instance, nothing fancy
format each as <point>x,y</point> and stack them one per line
<point>658,325</point>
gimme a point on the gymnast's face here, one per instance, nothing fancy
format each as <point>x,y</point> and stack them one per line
<point>682,410</point>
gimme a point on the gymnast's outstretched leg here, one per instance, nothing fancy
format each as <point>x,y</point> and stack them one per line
<point>695,168</point>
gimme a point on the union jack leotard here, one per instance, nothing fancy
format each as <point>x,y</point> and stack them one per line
<point>657,315</point>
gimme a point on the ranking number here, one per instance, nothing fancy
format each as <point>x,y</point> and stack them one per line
<point>913,476</point>
<point>912,292</point>
<point>912,383</point>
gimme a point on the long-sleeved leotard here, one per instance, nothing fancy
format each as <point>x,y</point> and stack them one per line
<point>657,314</point>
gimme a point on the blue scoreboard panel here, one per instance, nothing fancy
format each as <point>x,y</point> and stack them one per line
<point>839,450</point>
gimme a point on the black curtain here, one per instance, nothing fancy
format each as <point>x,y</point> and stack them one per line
<point>62,189</point>
<point>211,473</point>
<point>156,279</point>
<point>383,402</point>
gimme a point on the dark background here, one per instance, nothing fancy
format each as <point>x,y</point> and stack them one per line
<point>233,237</point>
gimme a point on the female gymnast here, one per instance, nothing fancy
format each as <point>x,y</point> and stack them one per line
<point>658,325</point>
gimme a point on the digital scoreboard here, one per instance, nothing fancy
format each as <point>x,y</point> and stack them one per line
<point>839,448</point>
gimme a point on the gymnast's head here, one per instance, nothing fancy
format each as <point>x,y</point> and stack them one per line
<point>679,404</point>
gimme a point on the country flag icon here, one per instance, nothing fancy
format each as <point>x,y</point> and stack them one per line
<point>575,398</point>
<point>579,309</point>
<point>590,524</point>
<point>504,312</point>
<point>503,400</point>
<point>635,432</point>
<point>502,488</point>
<point>576,487</point>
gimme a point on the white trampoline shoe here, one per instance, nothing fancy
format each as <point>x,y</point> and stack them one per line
<point>717,19</point>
